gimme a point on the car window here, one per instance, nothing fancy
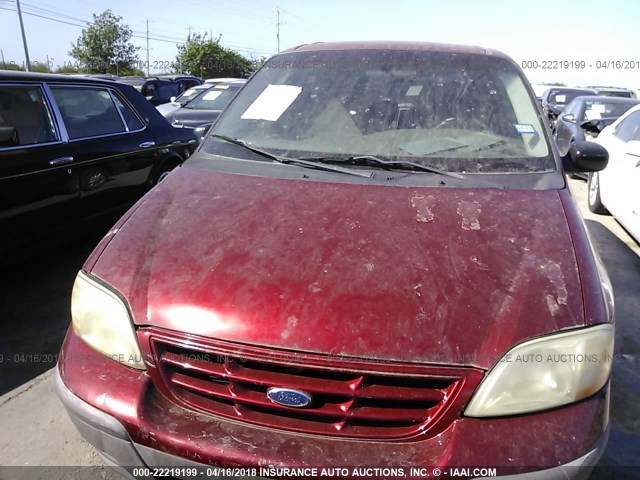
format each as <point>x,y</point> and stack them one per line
<point>615,93</point>
<point>87,112</point>
<point>149,89</point>
<point>629,127</point>
<point>25,118</point>
<point>466,113</point>
<point>186,84</point>
<point>188,95</point>
<point>597,109</point>
<point>168,90</point>
<point>563,97</point>
<point>130,118</point>
<point>216,98</point>
<point>572,108</point>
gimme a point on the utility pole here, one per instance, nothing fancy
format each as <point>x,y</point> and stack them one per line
<point>24,38</point>
<point>147,47</point>
<point>2,53</point>
<point>278,27</point>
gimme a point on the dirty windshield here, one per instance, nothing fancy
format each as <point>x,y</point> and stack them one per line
<point>457,112</point>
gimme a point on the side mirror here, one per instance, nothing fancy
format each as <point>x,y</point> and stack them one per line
<point>569,117</point>
<point>588,156</point>
<point>201,132</point>
<point>633,148</point>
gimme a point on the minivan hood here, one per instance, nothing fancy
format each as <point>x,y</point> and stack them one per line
<point>418,274</point>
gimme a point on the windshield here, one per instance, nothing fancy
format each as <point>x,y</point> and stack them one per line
<point>595,110</point>
<point>457,112</point>
<point>216,98</point>
<point>563,97</point>
<point>615,93</point>
<point>189,94</point>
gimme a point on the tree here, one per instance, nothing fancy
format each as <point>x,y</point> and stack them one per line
<point>206,58</point>
<point>67,69</point>
<point>104,46</point>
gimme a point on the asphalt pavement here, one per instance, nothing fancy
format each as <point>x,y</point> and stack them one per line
<point>37,440</point>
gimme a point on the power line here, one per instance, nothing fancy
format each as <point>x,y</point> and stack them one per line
<point>138,34</point>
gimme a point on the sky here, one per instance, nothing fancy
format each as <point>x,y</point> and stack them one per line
<point>595,34</point>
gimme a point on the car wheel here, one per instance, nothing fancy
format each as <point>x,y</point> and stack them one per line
<point>162,173</point>
<point>595,203</point>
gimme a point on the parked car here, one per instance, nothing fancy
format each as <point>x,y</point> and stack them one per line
<point>73,149</point>
<point>555,99</point>
<point>615,189</point>
<point>183,98</point>
<point>585,117</point>
<point>159,90</point>
<point>202,111</point>
<point>371,261</point>
<point>614,92</point>
<point>538,90</point>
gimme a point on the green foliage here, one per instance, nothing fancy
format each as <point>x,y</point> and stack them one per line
<point>132,71</point>
<point>206,58</point>
<point>104,46</point>
<point>11,66</point>
<point>36,66</point>
<point>554,84</point>
<point>40,67</point>
<point>67,69</point>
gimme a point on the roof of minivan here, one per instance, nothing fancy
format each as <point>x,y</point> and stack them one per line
<point>395,45</point>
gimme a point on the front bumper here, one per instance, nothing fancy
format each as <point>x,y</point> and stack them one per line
<point>119,411</point>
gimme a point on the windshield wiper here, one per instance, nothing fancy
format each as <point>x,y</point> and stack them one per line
<point>372,161</point>
<point>291,161</point>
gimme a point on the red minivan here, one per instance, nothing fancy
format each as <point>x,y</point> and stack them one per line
<point>372,263</point>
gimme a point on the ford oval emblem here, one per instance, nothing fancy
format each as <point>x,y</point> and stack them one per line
<point>289,397</point>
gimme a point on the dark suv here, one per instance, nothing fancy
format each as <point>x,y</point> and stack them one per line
<point>73,148</point>
<point>159,90</point>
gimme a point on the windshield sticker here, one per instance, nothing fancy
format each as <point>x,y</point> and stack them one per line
<point>414,90</point>
<point>272,102</point>
<point>592,115</point>
<point>211,95</point>
<point>524,129</point>
<point>561,98</point>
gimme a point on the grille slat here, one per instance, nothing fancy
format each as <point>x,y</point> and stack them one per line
<point>346,402</point>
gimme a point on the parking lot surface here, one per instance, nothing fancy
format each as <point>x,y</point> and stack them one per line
<point>34,316</point>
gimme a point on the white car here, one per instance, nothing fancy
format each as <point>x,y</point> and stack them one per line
<point>616,188</point>
<point>177,102</point>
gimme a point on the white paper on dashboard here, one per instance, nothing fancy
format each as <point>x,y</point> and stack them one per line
<point>414,91</point>
<point>272,102</point>
<point>211,95</point>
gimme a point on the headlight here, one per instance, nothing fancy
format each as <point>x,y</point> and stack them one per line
<point>545,373</point>
<point>102,320</point>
